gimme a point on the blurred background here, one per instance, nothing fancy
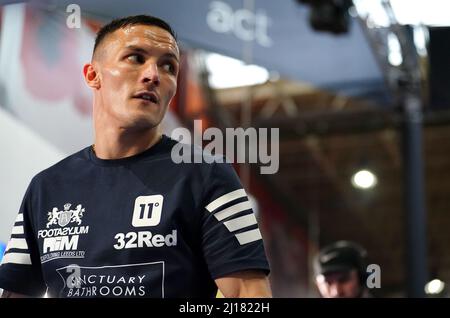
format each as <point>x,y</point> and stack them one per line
<point>360,92</point>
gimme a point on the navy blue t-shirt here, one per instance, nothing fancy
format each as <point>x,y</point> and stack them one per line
<point>141,226</point>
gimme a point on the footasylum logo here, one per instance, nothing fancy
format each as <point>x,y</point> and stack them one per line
<point>60,239</point>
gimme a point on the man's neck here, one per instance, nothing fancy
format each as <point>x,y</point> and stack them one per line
<point>121,143</point>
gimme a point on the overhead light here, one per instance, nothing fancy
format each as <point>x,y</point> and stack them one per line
<point>395,51</point>
<point>364,179</point>
<point>421,37</point>
<point>227,72</point>
<point>434,287</point>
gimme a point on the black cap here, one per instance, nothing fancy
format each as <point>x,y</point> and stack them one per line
<point>342,256</point>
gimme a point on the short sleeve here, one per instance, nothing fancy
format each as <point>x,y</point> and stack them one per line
<point>231,239</point>
<point>20,270</point>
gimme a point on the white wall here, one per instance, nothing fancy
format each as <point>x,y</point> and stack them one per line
<point>22,155</point>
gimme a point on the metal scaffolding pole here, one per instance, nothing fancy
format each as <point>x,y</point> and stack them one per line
<point>416,249</point>
<point>405,78</point>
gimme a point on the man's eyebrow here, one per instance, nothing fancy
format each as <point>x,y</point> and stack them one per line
<point>144,51</point>
<point>135,48</point>
<point>171,55</point>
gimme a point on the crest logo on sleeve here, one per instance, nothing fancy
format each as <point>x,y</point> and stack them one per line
<point>66,216</point>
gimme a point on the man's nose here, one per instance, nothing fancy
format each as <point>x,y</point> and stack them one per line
<point>151,74</point>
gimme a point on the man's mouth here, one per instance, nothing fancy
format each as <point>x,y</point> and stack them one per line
<point>148,96</point>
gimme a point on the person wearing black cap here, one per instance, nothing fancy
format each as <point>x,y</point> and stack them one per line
<point>340,270</point>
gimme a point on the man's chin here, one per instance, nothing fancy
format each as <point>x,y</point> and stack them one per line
<point>140,118</point>
<point>145,123</point>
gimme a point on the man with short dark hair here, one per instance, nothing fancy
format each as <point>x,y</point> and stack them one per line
<point>340,270</point>
<point>120,218</point>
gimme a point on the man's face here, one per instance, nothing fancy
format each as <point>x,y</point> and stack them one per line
<point>138,68</point>
<point>339,285</point>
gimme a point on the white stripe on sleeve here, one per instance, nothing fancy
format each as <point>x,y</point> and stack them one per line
<point>240,222</point>
<point>239,207</point>
<point>16,258</point>
<point>18,243</point>
<point>224,199</point>
<point>19,217</point>
<point>17,229</point>
<point>249,236</point>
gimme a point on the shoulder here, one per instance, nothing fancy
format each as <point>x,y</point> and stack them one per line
<point>63,167</point>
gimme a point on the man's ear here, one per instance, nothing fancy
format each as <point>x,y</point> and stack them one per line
<point>91,76</point>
